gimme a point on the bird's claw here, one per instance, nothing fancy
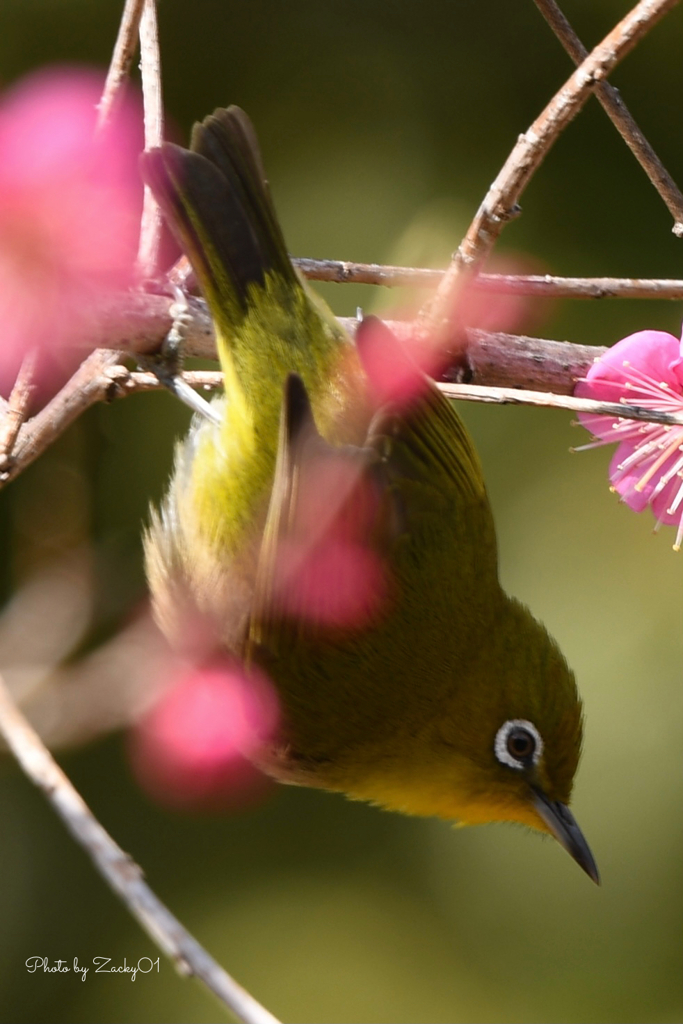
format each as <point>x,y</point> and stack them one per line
<point>166,365</point>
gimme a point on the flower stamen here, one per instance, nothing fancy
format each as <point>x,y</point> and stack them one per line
<point>657,464</point>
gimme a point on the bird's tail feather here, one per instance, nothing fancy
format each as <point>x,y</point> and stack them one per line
<point>217,203</point>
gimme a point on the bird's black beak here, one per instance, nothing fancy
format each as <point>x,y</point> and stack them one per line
<point>562,824</point>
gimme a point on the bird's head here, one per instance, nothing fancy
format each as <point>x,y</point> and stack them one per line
<point>505,747</point>
<point>520,760</point>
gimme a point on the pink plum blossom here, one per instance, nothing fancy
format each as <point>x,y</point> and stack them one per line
<point>643,369</point>
<point>69,210</point>
<point>194,747</point>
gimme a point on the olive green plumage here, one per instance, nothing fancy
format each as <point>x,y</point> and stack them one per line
<point>423,707</point>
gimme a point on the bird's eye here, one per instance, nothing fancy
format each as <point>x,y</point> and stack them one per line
<point>518,744</point>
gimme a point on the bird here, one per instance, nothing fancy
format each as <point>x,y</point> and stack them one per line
<point>427,689</point>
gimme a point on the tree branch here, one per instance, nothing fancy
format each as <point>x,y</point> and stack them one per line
<point>140,322</point>
<point>150,67</point>
<point>542,285</point>
<point>622,119</point>
<point>129,382</point>
<point>549,368</point>
<point>518,396</point>
<point>121,60</point>
<point>501,201</point>
<point>14,413</point>
<point>120,872</point>
<point>82,391</point>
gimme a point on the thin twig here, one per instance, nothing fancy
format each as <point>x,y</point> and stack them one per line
<point>121,60</point>
<point>213,379</point>
<point>150,68</point>
<point>622,119</point>
<point>515,396</point>
<point>501,201</point>
<point>120,872</point>
<point>542,285</point>
<point>84,387</point>
<point>77,395</point>
<point>117,381</point>
<point>74,398</point>
<point>17,407</point>
<point>131,381</point>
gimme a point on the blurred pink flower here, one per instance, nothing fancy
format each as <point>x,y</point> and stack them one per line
<point>396,366</point>
<point>506,309</point>
<point>69,209</point>
<point>326,567</point>
<point>193,748</point>
<point>647,468</point>
<point>336,582</point>
<point>395,369</point>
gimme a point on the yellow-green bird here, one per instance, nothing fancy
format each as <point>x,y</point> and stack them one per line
<point>448,698</point>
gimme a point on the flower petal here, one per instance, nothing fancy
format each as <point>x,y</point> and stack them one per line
<point>69,209</point>
<point>650,352</point>
<point>632,371</point>
<point>193,747</point>
<point>624,482</point>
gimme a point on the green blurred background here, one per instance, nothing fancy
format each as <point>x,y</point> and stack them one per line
<point>382,124</point>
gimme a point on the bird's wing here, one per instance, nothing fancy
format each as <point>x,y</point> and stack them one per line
<point>417,429</point>
<point>327,508</point>
<point>346,523</point>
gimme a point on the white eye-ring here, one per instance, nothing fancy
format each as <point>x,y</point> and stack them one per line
<point>518,744</point>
